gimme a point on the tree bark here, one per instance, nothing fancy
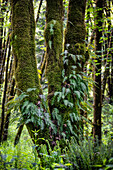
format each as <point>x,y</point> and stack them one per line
<point>97,75</point>
<point>23,39</point>
<point>75,42</point>
<point>75,31</point>
<point>54,39</point>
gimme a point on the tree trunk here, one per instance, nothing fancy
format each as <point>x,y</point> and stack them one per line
<point>75,41</point>
<point>23,38</point>
<point>4,95</point>
<point>97,76</point>
<point>75,31</point>
<point>54,39</point>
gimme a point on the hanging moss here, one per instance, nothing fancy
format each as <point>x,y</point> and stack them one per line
<point>24,46</point>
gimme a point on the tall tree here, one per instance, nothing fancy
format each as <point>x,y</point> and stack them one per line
<point>5,49</point>
<point>75,31</point>
<point>75,40</point>
<point>54,39</point>
<point>97,75</point>
<point>23,38</point>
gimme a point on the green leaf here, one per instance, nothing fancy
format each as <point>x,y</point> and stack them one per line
<point>109,167</point>
<point>70,126</point>
<point>97,166</point>
<point>66,102</point>
<point>31,89</point>
<point>22,96</point>
<point>68,164</point>
<point>68,91</point>
<point>24,105</point>
<point>77,93</point>
<point>73,57</point>
<point>50,44</point>
<point>83,86</point>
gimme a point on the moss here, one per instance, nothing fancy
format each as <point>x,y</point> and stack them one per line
<point>54,11</point>
<point>54,62</point>
<point>75,31</point>
<point>24,46</point>
<point>53,37</point>
<point>53,53</point>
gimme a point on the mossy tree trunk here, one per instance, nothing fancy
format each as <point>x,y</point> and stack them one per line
<point>23,26</point>
<point>54,38</point>
<point>75,31</point>
<point>54,65</point>
<point>75,42</point>
<point>23,38</point>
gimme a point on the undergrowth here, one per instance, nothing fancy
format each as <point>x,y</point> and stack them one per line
<point>77,155</point>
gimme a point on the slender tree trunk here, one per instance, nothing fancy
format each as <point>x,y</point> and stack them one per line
<point>97,76</point>
<point>1,39</point>
<point>6,124</point>
<point>108,45</point>
<point>110,79</point>
<point>4,96</point>
<point>111,76</point>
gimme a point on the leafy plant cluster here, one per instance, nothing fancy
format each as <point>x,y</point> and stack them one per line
<point>74,85</point>
<point>88,155</point>
<point>24,156</point>
<point>74,88</point>
<point>72,94</point>
<point>75,156</point>
<point>25,111</point>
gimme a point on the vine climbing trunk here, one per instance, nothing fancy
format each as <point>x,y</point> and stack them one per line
<point>75,41</point>
<point>54,65</point>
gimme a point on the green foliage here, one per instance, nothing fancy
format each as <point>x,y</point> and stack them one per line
<point>74,88</point>
<point>75,156</point>
<point>18,157</point>
<point>25,111</point>
<point>24,155</point>
<point>107,119</point>
<point>87,155</point>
